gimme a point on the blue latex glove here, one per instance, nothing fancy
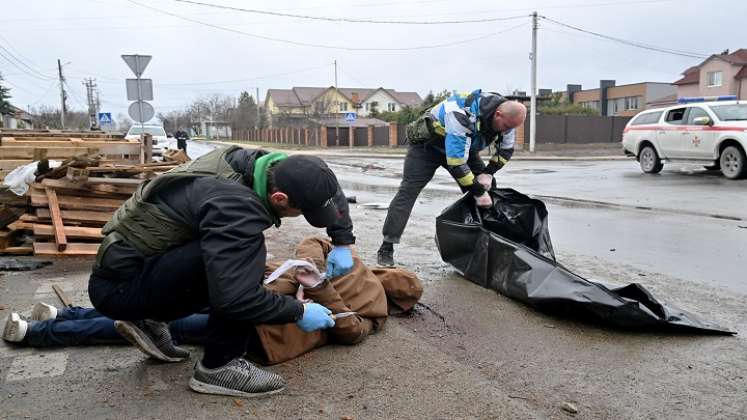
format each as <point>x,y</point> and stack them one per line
<point>315,317</point>
<point>339,261</point>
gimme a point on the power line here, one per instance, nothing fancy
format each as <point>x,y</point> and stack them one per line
<point>38,74</point>
<point>351,20</point>
<point>245,80</point>
<point>74,95</point>
<point>352,77</point>
<point>626,42</point>
<point>46,92</point>
<point>325,46</point>
<point>574,36</point>
<point>19,87</point>
<point>23,70</point>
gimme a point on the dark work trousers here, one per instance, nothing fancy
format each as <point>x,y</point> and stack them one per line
<point>164,287</point>
<point>181,144</point>
<point>421,163</point>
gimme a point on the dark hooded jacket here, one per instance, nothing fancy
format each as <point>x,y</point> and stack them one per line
<point>228,218</point>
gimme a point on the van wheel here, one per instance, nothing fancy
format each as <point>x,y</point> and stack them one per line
<point>733,162</point>
<point>649,159</point>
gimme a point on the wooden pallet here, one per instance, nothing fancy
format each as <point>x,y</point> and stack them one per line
<point>66,152</point>
<point>66,208</point>
<point>72,250</point>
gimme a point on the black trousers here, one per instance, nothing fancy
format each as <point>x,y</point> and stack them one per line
<point>165,287</point>
<point>421,164</point>
<point>181,144</point>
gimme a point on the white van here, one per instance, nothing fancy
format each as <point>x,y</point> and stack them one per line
<point>158,133</point>
<point>707,131</point>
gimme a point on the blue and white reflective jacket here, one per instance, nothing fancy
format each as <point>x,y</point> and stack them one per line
<point>464,120</point>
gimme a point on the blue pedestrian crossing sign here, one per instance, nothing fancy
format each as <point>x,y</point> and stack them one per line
<point>105,118</point>
<point>350,116</point>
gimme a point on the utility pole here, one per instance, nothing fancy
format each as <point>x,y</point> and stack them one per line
<point>91,96</point>
<point>337,122</point>
<point>259,116</point>
<point>533,102</point>
<point>63,95</point>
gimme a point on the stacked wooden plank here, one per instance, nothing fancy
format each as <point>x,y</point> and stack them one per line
<point>11,208</point>
<point>19,147</point>
<point>67,206</point>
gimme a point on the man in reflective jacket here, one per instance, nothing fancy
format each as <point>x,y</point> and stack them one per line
<point>451,135</point>
<point>193,238</point>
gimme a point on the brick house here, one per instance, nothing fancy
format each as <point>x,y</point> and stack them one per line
<point>623,100</point>
<point>719,74</point>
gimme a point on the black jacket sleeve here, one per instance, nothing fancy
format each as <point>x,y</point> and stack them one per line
<point>342,231</point>
<point>231,225</point>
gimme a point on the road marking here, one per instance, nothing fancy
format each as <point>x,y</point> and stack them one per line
<point>37,366</point>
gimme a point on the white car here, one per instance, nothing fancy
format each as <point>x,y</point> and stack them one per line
<point>158,133</point>
<point>712,133</point>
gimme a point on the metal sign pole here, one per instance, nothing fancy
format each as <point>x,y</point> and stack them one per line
<point>140,111</point>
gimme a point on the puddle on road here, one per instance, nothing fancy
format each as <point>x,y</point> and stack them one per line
<point>532,171</point>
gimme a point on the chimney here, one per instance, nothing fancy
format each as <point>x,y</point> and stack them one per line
<point>571,90</point>
<point>603,86</point>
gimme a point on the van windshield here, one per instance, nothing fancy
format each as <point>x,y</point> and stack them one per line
<point>733,112</point>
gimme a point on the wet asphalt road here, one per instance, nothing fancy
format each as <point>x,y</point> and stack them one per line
<point>687,222</point>
<point>467,352</point>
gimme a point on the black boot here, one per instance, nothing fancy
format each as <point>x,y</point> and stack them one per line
<point>385,256</point>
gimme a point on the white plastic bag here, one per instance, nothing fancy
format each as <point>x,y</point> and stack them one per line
<point>19,179</point>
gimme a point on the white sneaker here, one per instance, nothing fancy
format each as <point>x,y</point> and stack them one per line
<point>15,328</point>
<point>43,312</point>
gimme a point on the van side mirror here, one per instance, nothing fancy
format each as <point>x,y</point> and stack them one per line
<point>702,121</point>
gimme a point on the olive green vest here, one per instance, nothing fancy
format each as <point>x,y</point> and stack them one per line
<point>144,225</point>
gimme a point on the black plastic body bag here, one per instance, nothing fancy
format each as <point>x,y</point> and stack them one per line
<point>507,248</point>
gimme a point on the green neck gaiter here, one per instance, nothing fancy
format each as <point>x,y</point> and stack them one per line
<point>259,177</point>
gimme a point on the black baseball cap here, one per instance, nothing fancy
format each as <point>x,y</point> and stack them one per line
<point>311,187</point>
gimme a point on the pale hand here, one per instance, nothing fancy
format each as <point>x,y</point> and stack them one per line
<point>486,180</point>
<point>484,200</point>
<point>307,278</point>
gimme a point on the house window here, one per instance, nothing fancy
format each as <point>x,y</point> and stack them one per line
<point>714,78</point>
<point>392,107</point>
<point>591,105</point>
<point>343,106</point>
<point>368,106</point>
<point>631,102</point>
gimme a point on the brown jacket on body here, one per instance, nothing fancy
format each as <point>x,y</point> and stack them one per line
<point>373,294</point>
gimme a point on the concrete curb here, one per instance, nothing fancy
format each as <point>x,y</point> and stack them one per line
<point>333,153</point>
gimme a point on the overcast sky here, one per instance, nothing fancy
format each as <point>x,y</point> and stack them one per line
<point>192,59</point>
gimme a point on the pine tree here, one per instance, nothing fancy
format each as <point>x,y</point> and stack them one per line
<point>5,107</point>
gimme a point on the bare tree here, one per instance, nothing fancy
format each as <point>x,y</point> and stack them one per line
<point>47,117</point>
<point>174,120</point>
<point>123,122</point>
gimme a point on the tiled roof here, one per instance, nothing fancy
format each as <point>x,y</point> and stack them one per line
<point>303,96</point>
<point>690,76</point>
<point>308,94</point>
<point>408,98</point>
<point>283,97</point>
<point>738,58</point>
